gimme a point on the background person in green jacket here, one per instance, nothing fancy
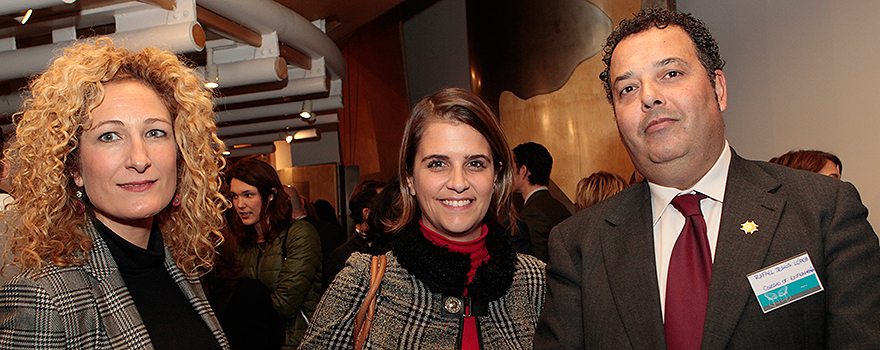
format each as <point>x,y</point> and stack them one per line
<point>283,253</point>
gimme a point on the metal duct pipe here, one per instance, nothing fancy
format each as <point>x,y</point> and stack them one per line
<point>249,151</point>
<point>10,104</point>
<point>275,125</point>
<point>8,7</point>
<point>248,72</point>
<point>178,38</point>
<point>324,104</point>
<point>266,16</point>
<point>295,87</point>
<point>246,140</point>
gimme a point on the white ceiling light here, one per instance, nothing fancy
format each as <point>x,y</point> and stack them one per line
<point>307,110</point>
<point>305,134</point>
<point>27,16</point>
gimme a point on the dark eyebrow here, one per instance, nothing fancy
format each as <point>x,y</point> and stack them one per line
<point>670,60</point>
<point>661,63</point>
<point>623,76</point>
<point>435,156</point>
<point>478,156</point>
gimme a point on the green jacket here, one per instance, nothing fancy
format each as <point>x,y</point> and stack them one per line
<point>290,267</point>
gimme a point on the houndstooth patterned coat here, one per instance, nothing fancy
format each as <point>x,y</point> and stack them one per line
<point>85,307</point>
<point>410,313</point>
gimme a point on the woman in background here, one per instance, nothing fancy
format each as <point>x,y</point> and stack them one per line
<point>243,305</point>
<point>819,162</point>
<point>597,187</point>
<point>283,253</point>
<point>453,280</point>
<point>118,208</point>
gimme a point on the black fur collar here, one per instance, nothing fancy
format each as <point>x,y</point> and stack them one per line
<point>445,272</point>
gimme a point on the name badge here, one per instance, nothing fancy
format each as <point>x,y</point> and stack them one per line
<point>785,282</point>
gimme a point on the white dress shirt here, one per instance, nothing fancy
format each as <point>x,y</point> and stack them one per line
<point>668,221</point>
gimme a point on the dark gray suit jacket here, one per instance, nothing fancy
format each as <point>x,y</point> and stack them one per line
<point>541,213</point>
<point>602,280</point>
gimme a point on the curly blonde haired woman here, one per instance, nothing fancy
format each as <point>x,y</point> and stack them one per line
<point>118,208</point>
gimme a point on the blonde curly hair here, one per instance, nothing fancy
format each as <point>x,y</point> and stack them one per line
<point>46,227</point>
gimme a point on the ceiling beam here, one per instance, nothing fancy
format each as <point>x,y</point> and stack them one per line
<point>165,4</point>
<point>294,57</point>
<point>227,28</point>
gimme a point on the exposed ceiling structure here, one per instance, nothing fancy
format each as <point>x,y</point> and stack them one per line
<point>271,60</point>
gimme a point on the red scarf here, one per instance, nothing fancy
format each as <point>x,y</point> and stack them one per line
<point>476,249</point>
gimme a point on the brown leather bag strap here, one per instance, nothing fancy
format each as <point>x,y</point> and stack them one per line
<point>364,318</point>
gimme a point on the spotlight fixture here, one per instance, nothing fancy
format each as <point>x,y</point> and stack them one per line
<point>306,110</point>
<point>27,16</point>
<point>212,78</point>
<point>286,136</point>
<point>306,134</point>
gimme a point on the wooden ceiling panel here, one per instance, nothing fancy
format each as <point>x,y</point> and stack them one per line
<point>351,14</point>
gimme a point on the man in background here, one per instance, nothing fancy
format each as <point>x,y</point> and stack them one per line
<point>331,236</point>
<point>540,212</point>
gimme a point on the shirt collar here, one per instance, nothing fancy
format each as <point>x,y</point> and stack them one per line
<point>712,185</point>
<point>533,192</point>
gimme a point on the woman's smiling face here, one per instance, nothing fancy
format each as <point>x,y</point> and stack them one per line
<point>453,179</point>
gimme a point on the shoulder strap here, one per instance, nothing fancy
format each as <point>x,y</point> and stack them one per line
<point>364,318</point>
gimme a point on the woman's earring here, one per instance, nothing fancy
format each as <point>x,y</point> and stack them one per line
<point>79,205</point>
<point>176,201</point>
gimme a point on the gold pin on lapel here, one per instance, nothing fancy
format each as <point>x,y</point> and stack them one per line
<point>749,227</point>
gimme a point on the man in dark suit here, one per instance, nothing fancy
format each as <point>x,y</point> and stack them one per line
<point>614,275</point>
<point>540,212</point>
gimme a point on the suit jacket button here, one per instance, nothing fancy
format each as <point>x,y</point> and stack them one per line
<point>452,305</point>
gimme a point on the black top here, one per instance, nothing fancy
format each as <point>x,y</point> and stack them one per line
<point>170,319</point>
<point>336,261</point>
<point>248,317</point>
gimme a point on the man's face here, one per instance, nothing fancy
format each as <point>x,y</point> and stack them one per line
<point>667,111</point>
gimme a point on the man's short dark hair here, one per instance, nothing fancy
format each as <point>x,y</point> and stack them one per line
<point>537,159</point>
<point>707,48</point>
<point>360,198</point>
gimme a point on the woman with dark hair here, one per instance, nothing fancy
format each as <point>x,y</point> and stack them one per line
<point>453,280</point>
<point>243,305</point>
<point>283,253</point>
<point>118,206</point>
<point>819,162</point>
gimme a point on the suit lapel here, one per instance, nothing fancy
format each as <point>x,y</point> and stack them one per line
<point>747,197</point>
<point>192,290</point>
<point>628,248</point>
<point>116,308</point>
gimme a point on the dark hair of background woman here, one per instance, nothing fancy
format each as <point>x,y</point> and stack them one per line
<point>276,212</point>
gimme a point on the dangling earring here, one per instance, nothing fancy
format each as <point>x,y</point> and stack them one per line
<point>79,205</point>
<point>176,201</point>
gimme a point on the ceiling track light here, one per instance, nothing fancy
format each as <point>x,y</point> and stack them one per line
<point>306,110</point>
<point>286,136</point>
<point>27,16</point>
